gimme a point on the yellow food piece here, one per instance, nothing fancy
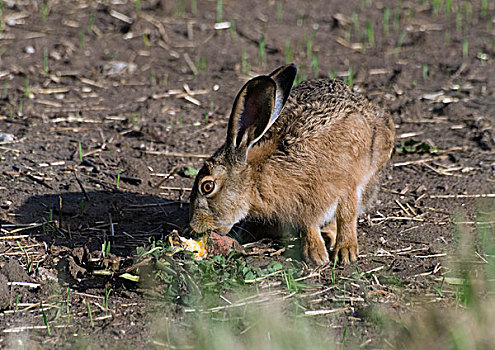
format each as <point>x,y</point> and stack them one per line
<point>198,246</point>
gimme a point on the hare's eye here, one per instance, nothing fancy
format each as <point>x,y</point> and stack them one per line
<point>207,186</point>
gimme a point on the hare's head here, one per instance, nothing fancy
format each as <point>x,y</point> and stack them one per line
<point>222,191</point>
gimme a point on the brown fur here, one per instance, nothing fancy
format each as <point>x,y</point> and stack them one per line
<point>324,151</point>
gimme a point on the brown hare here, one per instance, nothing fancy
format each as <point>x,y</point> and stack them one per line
<point>306,157</point>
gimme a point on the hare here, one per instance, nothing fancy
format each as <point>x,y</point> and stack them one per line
<point>307,157</point>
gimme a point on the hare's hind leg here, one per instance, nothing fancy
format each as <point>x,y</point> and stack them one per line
<point>314,250</point>
<point>346,244</point>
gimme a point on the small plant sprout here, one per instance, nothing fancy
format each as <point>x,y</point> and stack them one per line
<point>355,22</point>
<point>90,314</point>
<point>153,77</point>
<point>5,88</point>
<point>165,80</point>
<point>245,67</point>
<point>81,40</point>
<point>300,19</point>
<point>44,11</point>
<point>262,50</point>
<point>105,249</point>
<point>484,8</point>
<point>458,20</point>
<point>194,7</point>
<point>280,11</point>
<point>309,44</point>
<point>81,205</point>
<point>350,78</point>
<point>79,150</point>
<point>315,64</point>
<point>386,20</point>
<point>105,302</point>
<point>118,178</point>
<point>17,298</point>
<point>233,32</point>
<point>26,87</point>
<point>91,23</point>
<point>45,60</point>
<point>146,40</point>
<point>219,10</point>
<point>399,43</point>
<point>425,71</point>
<point>19,108</point>
<point>137,5</point>
<point>370,33</point>
<point>448,8</point>
<point>465,47</point>
<point>45,320</point>
<point>288,51</point>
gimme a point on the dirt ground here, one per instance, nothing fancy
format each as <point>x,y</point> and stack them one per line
<point>104,106</point>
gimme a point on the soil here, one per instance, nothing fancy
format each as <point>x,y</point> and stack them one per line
<point>103,108</point>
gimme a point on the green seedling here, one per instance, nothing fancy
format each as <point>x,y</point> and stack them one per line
<point>81,206</point>
<point>201,65</point>
<point>386,21</point>
<point>219,10</point>
<point>194,7</point>
<point>91,23</point>
<point>105,301</point>
<point>468,12</point>
<point>440,290</point>
<point>350,78</point>
<point>118,178</point>
<point>137,5</point>
<point>79,150</point>
<point>81,40</point>
<point>437,5</point>
<point>425,71</point>
<point>300,19</point>
<point>5,88</point>
<point>146,40</point>
<point>233,32</point>
<point>90,314</point>
<point>288,51</point>
<point>45,60</point>
<point>245,67</point>
<point>262,50</point>
<point>458,20</point>
<point>342,342</point>
<point>179,9</point>
<point>484,8</point>
<point>370,33</point>
<point>19,108</point>
<point>153,77</point>
<point>465,47</point>
<point>414,146</point>
<point>17,298</point>
<point>446,37</point>
<point>280,11</point>
<point>332,74</point>
<point>45,320</point>
<point>448,8</point>
<point>399,43</point>
<point>44,11</point>
<point>309,39</point>
<point>355,22</point>
<point>332,275</point>
<point>165,80</point>
<point>26,87</point>
<point>315,65</point>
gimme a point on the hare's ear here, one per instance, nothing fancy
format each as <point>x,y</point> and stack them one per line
<point>251,114</point>
<point>284,78</point>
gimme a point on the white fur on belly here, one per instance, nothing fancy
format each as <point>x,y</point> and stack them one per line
<point>329,214</point>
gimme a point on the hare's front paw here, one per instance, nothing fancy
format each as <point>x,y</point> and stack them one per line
<point>345,252</point>
<point>313,248</point>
